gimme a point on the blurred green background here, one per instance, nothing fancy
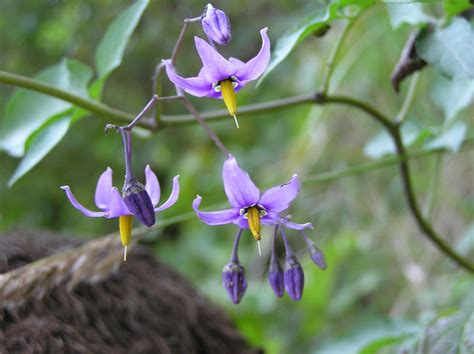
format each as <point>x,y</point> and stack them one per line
<point>383,276</point>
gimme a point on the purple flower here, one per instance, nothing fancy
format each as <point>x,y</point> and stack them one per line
<point>250,209</point>
<point>233,279</point>
<point>216,25</point>
<point>113,205</point>
<point>219,77</point>
<point>293,277</point>
<point>275,277</point>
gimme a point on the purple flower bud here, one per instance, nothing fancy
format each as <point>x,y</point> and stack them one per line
<point>233,279</point>
<point>294,278</point>
<point>275,277</point>
<point>318,257</point>
<point>138,202</point>
<point>216,25</point>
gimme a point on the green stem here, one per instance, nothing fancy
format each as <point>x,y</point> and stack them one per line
<point>355,170</point>
<point>423,224</point>
<point>112,114</point>
<point>98,108</point>
<point>334,54</point>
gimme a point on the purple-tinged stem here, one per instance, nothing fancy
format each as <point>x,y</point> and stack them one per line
<point>189,106</point>
<point>235,256</point>
<point>289,251</point>
<point>275,235</point>
<point>127,147</point>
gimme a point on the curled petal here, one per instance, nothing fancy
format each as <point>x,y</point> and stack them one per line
<point>220,217</point>
<point>292,225</point>
<point>103,189</point>
<point>173,196</point>
<point>279,198</point>
<point>152,186</point>
<point>117,206</point>
<point>238,186</point>
<point>196,86</point>
<point>217,68</point>
<point>257,65</point>
<point>79,206</point>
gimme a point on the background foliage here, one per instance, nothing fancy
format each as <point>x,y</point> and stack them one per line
<point>386,288</point>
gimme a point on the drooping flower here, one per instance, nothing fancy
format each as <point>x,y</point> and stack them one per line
<point>216,25</point>
<point>135,201</point>
<point>250,209</point>
<point>219,77</point>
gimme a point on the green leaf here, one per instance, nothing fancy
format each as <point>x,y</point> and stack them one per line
<point>450,139</point>
<point>382,144</point>
<point>452,96</point>
<point>455,7</point>
<point>452,334</point>
<point>370,336</point>
<point>109,52</point>
<point>290,40</point>
<point>28,111</point>
<point>407,13</point>
<point>450,49</point>
<point>41,144</point>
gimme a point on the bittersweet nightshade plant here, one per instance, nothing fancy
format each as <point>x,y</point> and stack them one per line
<point>113,205</point>
<point>216,25</point>
<point>250,209</point>
<point>233,274</point>
<point>219,77</point>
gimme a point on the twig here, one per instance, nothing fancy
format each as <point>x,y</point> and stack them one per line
<point>334,54</point>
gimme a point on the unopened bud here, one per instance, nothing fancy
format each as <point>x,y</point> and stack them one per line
<point>216,25</point>
<point>294,278</point>
<point>233,279</point>
<point>318,257</point>
<point>138,202</point>
<point>275,277</point>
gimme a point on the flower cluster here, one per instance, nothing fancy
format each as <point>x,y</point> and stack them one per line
<point>219,77</point>
<point>249,208</point>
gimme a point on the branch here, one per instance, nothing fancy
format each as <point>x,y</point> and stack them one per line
<point>109,113</point>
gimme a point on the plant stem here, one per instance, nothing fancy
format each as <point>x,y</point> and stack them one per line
<point>408,98</point>
<point>358,169</point>
<point>334,55</point>
<point>93,106</point>
<point>109,113</point>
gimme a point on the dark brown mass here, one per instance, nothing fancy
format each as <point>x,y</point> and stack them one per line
<point>145,307</point>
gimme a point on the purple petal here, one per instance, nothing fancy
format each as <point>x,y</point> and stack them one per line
<point>117,206</point>
<point>257,65</point>
<point>102,191</point>
<point>292,225</point>
<point>217,68</point>
<point>270,219</point>
<point>278,198</point>
<point>173,196</point>
<point>152,186</point>
<point>196,86</point>
<point>79,206</point>
<point>238,186</point>
<point>237,62</point>
<point>220,217</point>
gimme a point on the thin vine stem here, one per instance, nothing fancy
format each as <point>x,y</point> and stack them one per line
<point>393,128</point>
<point>335,53</point>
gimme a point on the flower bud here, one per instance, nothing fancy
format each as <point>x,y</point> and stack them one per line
<point>233,279</point>
<point>138,202</point>
<point>318,257</point>
<point>294,278</point>
<point>275,277</point>
<point>216,25</point>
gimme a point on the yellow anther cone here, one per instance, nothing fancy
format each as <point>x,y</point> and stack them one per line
<point>125,227</point>
<point>253,215</point>
<point>228,95</point>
